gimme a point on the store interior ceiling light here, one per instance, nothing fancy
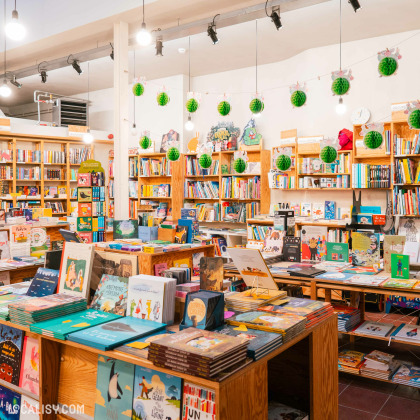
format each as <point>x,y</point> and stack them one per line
<point>275,16</point>
<point>341,107</point>
<point>75,64</point>
<point>211,31</point>
<point>159,46</point>
<point>14,82</point>
<point>5,90</point>
<point>355,4</point>
<point>112,52</point>
<point>14,29</point>
<point>189,125</point>
<point>143,37</point>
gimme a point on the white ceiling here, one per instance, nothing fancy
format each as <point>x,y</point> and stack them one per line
<point>303,29</point>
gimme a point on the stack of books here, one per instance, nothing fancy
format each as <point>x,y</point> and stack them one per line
<point>379,365</point>
<point>6,300</point>
<point>407,375</point>
<point>260,342</point>
<point>35,310</point>
<point>245,301</point>
<point>350,361</point>
<point>332,266</point>
<point>199,352</point>
<point>286,324</point>
<point>379,329</point>
<point>348,317</point>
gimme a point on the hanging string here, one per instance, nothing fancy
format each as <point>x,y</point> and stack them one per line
<point>256,57</point>
<point>134,96</point>
<point>5,40</point>
<point>340,33</point>
<point>189,64</point>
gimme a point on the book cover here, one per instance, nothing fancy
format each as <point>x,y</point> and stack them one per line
<point>410,228</point>
<point>273,240</point>
<point>306,209</point>
<point>211,273</point>
<point>111,295</point>
<point>333,275</point>
<point>292,249</point>
<point>114,389</point>
<point>330,210</point>
<point>365,249</point>
<point>44,283</point>
<point>399,283</point>
<point>29,408</point>
<point>351,358</point>
<point>337,251</point>
<point>160,268</point>
<point>408,332</point>
<point>298,306</point>
<point>29,373</point>
<point>318,210</point>
<point>400,266</point>
<point>84,224</point>
<point>84,180</point>
<point>9,404</point>
<point>182,263</point>
<point>393,244</point>
<point>157,395</point>
<point>196,263</point>
<point>11,341</point>
<point>84,194</point>
<point>375,328</point>
<point>181,234</point>
<point>84,210</point>
<point>4,245</point>
<point>412,250</point>
<point>125,229</point>
<point>75,269</point>
<point>86,237</point>
<point>313,242</point>
<point>198,402</point>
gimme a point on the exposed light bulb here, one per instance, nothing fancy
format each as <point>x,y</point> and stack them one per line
<point>189,125</point>
<point>5,90</point>
<point>257,115</point>
<point>88,138</point>
<point>14,29</point>
<point>134,130</point>
<point>341,107</point>
<point>143,37</point>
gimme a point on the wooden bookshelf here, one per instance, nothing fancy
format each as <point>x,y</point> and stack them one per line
<point>288,139</point>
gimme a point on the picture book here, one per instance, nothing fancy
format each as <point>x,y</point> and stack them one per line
<point>84,210</point>
<point>84,224</point>
<point>198,402</point>
<point>182,263</point>
<point>44,283</point>
<point>364,219</point>
<point>335,275</point>
<point>114,389</point>
<point>211,273</point>
<point>306,209</point>
<point>84,180</point>
<point>20,240</point>
<point>412,250</point>
<point>313,242</point>
<point>196,263</point>
<point>393,244</point>
<point>4,245</point>
<point>368,271</point>
<point>111,295</point>
<point>400,283</point>
<point>351,358</point>
<point>29,373</point>
<point>365,249</point>
<point>409,332</point>
<point>181,234</point>
<point>157,395</point>
<point>400,266</point>
<point>9,404</point>
<point>375,328</point>
<point>160,268</point>
<point>337,251</point>
<point>367,280</point>
<point>318,210</point>
<point>273,240</point>
<point>62,191</point>
<point>330,210</point>
<point>11,341</point>
<point>75,269</point>
<point>291,249</point>
<point>84,194</point>
<point>29,408</point>
<point>125,229</point>
<point>86,237</point>
<point>410,228</point>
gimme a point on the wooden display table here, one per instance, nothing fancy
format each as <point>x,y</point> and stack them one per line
<point>302,373</point>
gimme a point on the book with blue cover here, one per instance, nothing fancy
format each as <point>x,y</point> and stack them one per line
<point>114,389</point>
<point>330,210</point>
<point>111,295</point>
<point>9,404</point>
<point>44,283</point>
<point>115,333</point>
<point>65,325</point>
<point>11,342</point>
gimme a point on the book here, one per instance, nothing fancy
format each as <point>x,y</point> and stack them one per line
<point>313,242</point>
<point>29,408</point>
<point>380,329</point>
<point>156,395</point>
<point>125,229</point>
<point>412,250</point>
<point>84,180</point>
<point>351,358</point>
<point>114,389</point>
<point>410,228</point>
<point>400,283</point>
<point>365,249</point>
<point>160,268</point>
<point>75,269</point>
<point>291,249</point>
<point>318,210</point>
<point>11,342</point>
<point>196,263</point>
<point>337,251</point>
<point>408,332</point>
<point>181,234</point>
<point>330,210</point>
<point>306,209</point>
<point>44,283</point>
<point>333,275</point>
<point>4,245</point>
<point>198,402</point>
<point>407,375</point>
<point>273,240</point>
<point>111,295</point>
<point>400,266</point>
<point>393,244</point>
<point>9,404</point>
<point>211,273</point>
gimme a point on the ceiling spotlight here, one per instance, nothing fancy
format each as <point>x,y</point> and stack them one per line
<point>275,16</point>
<point>75,64</point>
<point>14,82</point>
<point>14,29</point>
<point>143,36</point>
<point>341,108</point>
<point>5,90</point>
<point>43,72</point>
<point>189,125</point>
<point>355,4</point>
<point>159,46</point>
<point>112,52</point>
<point>88,137</point>
<point>211,31</point>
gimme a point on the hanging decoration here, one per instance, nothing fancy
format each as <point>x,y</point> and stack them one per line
<point>223,106</point>
<point>372,135</point>
<point>204,152</point>
<point>192,104</point>
<point>139,83</point>
<point>173,154</point>
<point>240,162</point>
<point>328,153</point>
<point>193,98</point>
<point>283,158</point>
<point>162,98</point>
<point>388,61</point>
<point>413,111</point>
<point>250,139</point>
<point>298,95</point>
<point>256,105</point>
<point>145,141</point>
<point>341,82</point>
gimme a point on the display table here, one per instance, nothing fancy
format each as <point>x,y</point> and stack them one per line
<point>301,372</point>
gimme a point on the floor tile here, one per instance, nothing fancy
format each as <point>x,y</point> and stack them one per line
<point>401,408</point>
<point>362,399</point>
<point>347,413</point>
<point>341,388</point>
<point>384,418</point>
<point>407,392</point>
<point>344,379</point>
<point>374,385</point>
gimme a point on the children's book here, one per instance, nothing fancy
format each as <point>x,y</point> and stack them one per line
<point>196,263</point>
<point>29,409</point>
<point>412,250</point>
<point>29,373</point>
<point>318,210</point>
<point>400,266</point>
<point>330,210</point>
<point>333,275</point>
<point>365,249</point>
<point>11,341</point>
<point>314,242</point>
<point>337,251</point>
<point>400,283</point>
<point>408,332</point>
<point>84,194</point>
<point>273,240</point>
<point>306,209</point>
<point>9,404</point>
<point>44,283</point>
<point>291,249</point>
<point>393,244</point>
<point>84,180</point>
<point>157,395</point>
<point>351,358</point>
<point>4,245</point>
<point>84,224</point>
<point>198,402</point>
<point>114,389</point>
<point>211,273</point>
<point>84,210</point>
<point>181,234</point>
<point>125,229</point>
<point>111,295</point>
<point>381,329</point>
<point>160,268</point>
<point>410,228</point>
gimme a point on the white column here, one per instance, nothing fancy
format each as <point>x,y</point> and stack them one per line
<point>121,124</point>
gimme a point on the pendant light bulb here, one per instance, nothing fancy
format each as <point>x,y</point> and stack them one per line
<point>189,125</point>
<point>143,36</point>
<point>5,90</point>
<point>14,29</point>
<point>341,107</point>
<point>258,115</point>
<point>134,130</point>
<point>88,138</point>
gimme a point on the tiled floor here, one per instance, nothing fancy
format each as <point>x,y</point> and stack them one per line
<point>365,399</point>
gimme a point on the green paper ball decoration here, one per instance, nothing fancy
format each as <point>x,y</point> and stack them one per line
<point>328,154</point>
<point>414,119</point>
<point>373,139</point>
<point>145,142</point>
<point>340,86</point>
<point>298,98</point>
<point>205,161</point>
<point>387,66</point>
<point>162,99</point>
<point>172,154</point>
<point>138,89</point>
<point>239,165</point>
<point>256,106</point>
<point>191,105</point>
<point>283,162</point>
<point>223,108</point>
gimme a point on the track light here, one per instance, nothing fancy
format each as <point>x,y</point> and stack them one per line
<point>355,4</point>
<point>341,108</point>
<point>14,29</point>
<point>75,64</point>
<point>43,72</point>
<point>14,82</point>
<point>211,31</point>
<point>5,90</point>
<point>159,46</point>
<point>112,52</point>
<point>189,125</point>
<point>275,16</point>
<point>143,36</point>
